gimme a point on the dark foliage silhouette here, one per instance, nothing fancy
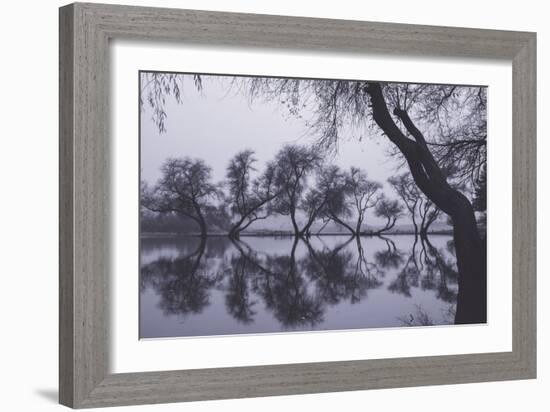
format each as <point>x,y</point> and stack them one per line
<point>183,283</point>
<point>248,198</point>
<point>185,189</point>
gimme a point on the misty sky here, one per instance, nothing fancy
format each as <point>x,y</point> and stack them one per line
<point>218,122</point>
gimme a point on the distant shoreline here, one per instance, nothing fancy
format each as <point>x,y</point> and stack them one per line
<point>284,234</point>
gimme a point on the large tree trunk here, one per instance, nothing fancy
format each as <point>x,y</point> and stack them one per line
<point>470,251</point>
<point>234,232</point>
<point>471,260</point>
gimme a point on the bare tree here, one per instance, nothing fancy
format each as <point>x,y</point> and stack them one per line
<point>185,189</point>
<point>293,165</point>
<point>454,123</point>
<point>312,204</point>
<point>327,199</point>
<point>390,210</point>
<point>336,207</point>
<point>407,190</point>
<point>431,180</point>
<point>248,197</point>
<point>365,194</point>
<point>355,194</point>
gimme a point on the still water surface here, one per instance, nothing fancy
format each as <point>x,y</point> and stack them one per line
<point>190,287</point>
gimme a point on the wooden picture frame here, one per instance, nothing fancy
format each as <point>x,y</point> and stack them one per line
<point>85,31</point>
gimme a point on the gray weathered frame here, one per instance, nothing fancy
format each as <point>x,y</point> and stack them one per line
<point>85,31</point>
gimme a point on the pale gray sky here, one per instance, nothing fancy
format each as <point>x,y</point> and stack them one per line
<point>217,123</point>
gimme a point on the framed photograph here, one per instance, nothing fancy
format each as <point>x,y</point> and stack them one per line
<point>256,205</point>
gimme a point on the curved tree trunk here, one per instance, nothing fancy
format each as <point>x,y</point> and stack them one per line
<point>470,251</point>
<point>239,226</point>
<point>423,234</point>
<point>293,220</point>
<point>234,233</point>
<point>200,220</point>
<point>344,224</point>
<point>306,231</point>
<point>390,223</point>
<point>425,227</point>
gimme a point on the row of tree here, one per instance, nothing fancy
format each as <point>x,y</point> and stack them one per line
<point>297,184</point>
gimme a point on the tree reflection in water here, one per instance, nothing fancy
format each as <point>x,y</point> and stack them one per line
<point>339,275</point>
<point>284,290</point>
<point>299,286</point>
<point>183,283</point>
<point>238,299</point>
<point>391,257</point>
<point>430,269</point>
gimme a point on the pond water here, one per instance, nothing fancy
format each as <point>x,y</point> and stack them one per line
<point>216,286</point>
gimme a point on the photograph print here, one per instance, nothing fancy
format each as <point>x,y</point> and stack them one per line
<point>276,205</point>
